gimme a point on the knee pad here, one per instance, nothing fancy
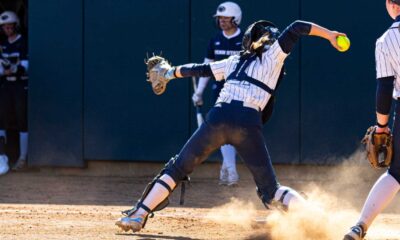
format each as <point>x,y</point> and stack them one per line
<point>174,171</point>
<point>177,175</point>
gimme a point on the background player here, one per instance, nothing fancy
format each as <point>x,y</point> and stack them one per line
<point>13,91</point>
<point>226,43</point>
<point>251,78</point>
<point>387,53</point>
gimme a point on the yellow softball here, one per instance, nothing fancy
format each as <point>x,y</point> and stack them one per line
<point>343,42</point>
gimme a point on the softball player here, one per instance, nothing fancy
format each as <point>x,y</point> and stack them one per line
<point>13,91</point>
<point>251,79</point>
<point>226,43</point>
<point>387,52</point>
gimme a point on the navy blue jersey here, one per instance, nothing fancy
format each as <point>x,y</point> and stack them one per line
<point>221,47</point>
<point>16,53</point>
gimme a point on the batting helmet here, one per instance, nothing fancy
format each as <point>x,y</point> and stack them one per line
<point>230,9</point>
<point>9,17</point>
<point>257,30</point>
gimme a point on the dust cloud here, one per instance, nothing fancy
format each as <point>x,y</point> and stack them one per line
<point>333,204</point>
<point>235,212</point>
<point>321,218</point>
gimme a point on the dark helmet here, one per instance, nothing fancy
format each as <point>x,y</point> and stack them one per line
<point>395,2</point>
<point>257,30</point>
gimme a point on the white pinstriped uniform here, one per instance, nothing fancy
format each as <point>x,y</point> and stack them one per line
<point>387,56</point>
<point>266,71</point>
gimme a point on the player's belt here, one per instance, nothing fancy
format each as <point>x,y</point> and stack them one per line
<point>251,105</point>
<point>240,103</point>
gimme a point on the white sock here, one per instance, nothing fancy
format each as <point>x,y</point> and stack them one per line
<point>381,194</point>
<point>292,198</point>
<point>229,157</point>
<point>157,194</point>
<point>23,145</point>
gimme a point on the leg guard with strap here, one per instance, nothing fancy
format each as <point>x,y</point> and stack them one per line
<point>149,187</point>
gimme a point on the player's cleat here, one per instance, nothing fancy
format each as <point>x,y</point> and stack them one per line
<point>133,223</point>
<point>233,178</point>
<point>228,177</point>
<point>356,232</point>
<point>3,164</point>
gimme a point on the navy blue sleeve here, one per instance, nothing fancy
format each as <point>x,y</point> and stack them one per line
<point>210,50</point>
<point>384,92</point>
<point>196,70</point>
<point>292,34</point>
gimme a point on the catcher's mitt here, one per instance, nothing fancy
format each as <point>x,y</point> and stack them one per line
<point>158,73</point>
<point>379,147</point>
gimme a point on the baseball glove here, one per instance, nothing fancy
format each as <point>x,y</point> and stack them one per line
<point>379,147</point>
<point>159,72</point>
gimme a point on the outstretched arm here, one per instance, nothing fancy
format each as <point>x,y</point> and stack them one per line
<point>160,72</point>
<point>193,70</point>
<point>189,70</point>
<point>329,35</point>
<point>211,69</point>
<point>297,29</point>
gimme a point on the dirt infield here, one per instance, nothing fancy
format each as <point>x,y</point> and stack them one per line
<point>84,204</point>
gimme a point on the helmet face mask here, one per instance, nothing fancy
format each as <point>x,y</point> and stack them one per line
<point>257,30</point>
<point>229,9</point>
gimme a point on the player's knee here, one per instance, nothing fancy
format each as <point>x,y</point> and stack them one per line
<point>183,165</point>
<point>175,170</point>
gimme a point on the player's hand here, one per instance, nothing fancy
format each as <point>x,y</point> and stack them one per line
<point>332,38</point>
<point>159,72</point>
<point>197,99</point>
